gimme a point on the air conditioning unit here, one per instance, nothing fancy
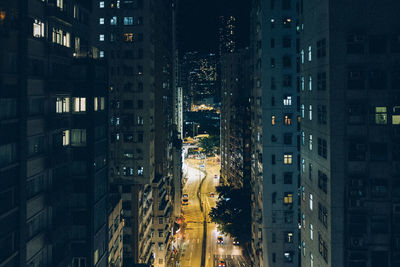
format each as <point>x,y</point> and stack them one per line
<point>356,242</point>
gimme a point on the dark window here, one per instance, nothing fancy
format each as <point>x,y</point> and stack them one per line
<point>272,62</point>
<point>379,188</point>
<point>287,138</point>
<point>286,4</point>
<point>286,42</point>
<point>321,48</point>
<point>377,80</point>
<point>322,148</point>
<point>395,44</point>
<point>323,181</point>
<point>128,138</point>
<point>323,214</point>
<point>321,81</point>
<point>273,159</point>
<point>322,114</point>
<point>357,149</point>
<point>128,104</point>
<point>356,114</point>
<point>355,44</point>
<point>272,43</point>
<point>356,80</point>
<point>379,258</point>
<point>8,108</point>
<point>287,62</point>
<point>140,104</point>
<point>287,80</point>
<point>378,151</point>
<point>377,44</point>
<point>288,178</point>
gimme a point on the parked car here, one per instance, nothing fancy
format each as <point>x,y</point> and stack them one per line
<point>220,239</point>
<point>221,263</point>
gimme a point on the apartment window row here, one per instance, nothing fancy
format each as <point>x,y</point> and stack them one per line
<point>377,79</point>
<point>286,42</point>
<point>380,115</point>
<point>128,37</point>
<point>285,22</point>
<point>127,21</point>
<point>61,37</point>
<point>287,119</point>
<point>359,44</point>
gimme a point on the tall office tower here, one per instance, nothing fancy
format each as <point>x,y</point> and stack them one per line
<point>235,118</point>
<point>227,34</point>
<point>136,38</point>
<point>275,134</point>
<point>53,164</point>
<point>203,80</point>
<point>350,108</point>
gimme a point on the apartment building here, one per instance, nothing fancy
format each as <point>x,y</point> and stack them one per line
<point>275,126</point>
<point>349,57</point>
<point>136,39</point>
<point>235,118</point>
<point>53,160</point>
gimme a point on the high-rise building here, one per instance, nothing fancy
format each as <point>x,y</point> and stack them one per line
<point>350,132</point>
<point>275,126</point>
<point>136,38</point>
<point>235,118</point>
<point>53,145</point>
<point>227,34</point>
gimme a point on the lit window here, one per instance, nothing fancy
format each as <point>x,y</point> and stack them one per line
<point>303,165</point>
<point>302,56</point>
<point>303,138</point>
<point>273,120</point>
<point>309,82</point>
<point>302,83</point>
<point>287,159</point>
<point>95,103</point>
<point>288,119</point>
<point>311,202</point>
<point>128,37</point>
<point>62,104</point>
<point>66,138</point>
<point>140,171</point>
<point>311,232</point>
<point>101,4</point>
<point>140,120</point>
<point>310,142</point>
<point>79,104</point>
<point>101,54</point>
<point>289,237</point>
<point>302,111</point>
<point>101,37</point>
<point>310,112</point>
<point>396,115</point>
<point>311,260</point>
<point>102,103</point>
<point>309,53</point>
<point>288,256</point>
<point>380,115</point>
<point>287,101</point>
<point>303,194</point>
<point>38,29</point>
<point>60,4</point>
<point>101,21</point>
<point>288,198</point>
<point>128,20</point>
<point>114,20</point>
<point>61,37</point>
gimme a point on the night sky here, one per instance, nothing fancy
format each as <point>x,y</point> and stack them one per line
<point>198,23</point>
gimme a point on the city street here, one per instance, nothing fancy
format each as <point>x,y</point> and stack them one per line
<point>191,248</point>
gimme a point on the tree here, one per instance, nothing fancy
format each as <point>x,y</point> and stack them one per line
<point>233,213</point>
<point>210,144</point>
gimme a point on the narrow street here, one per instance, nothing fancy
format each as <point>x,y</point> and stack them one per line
<point>191,248</point>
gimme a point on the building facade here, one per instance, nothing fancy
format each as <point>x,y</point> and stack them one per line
<point>53,160</point>
<point>136,39</point>
<point>349,58</point>
<point>235,118</point>
<point>275,125</point>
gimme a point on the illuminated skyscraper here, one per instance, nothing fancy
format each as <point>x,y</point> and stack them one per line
<point>227,34</point>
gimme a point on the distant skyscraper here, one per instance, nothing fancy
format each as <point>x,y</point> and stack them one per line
<point>350,133</point>
<point>275,126</point>
<point>227,34</point>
